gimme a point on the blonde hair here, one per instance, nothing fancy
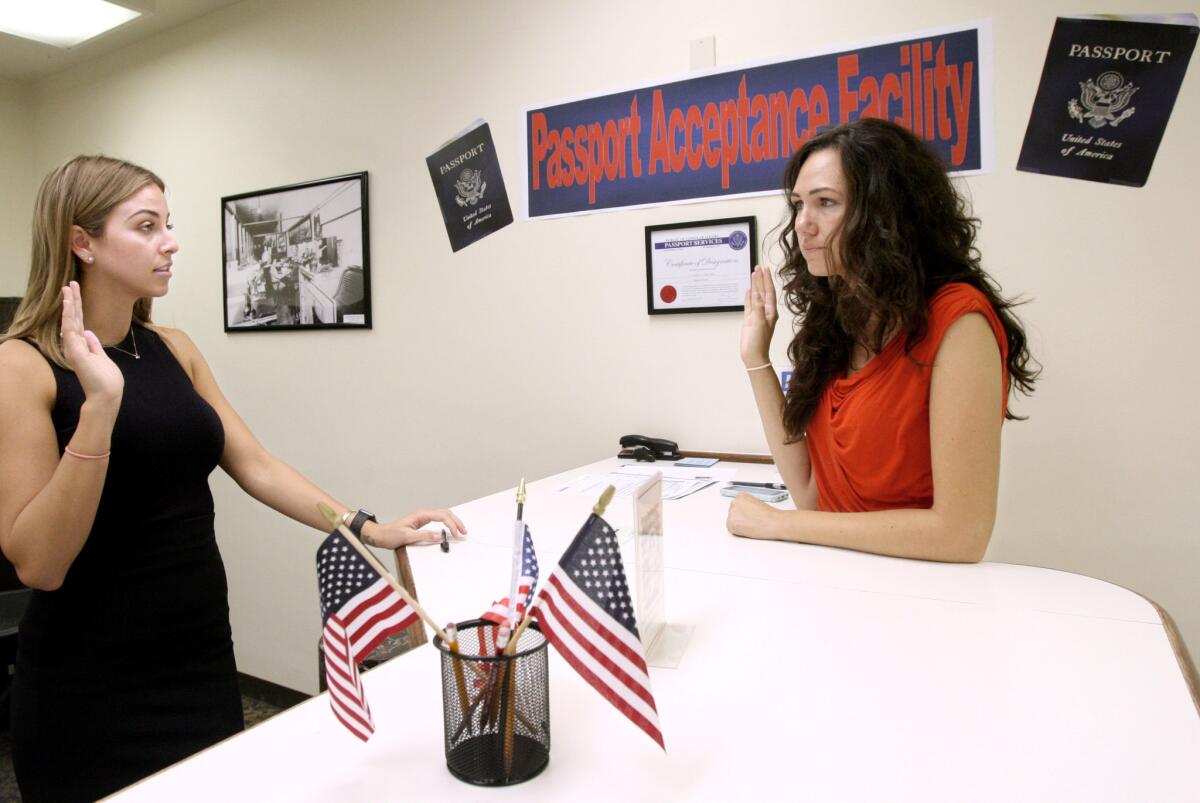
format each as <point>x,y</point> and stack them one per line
<point>81,193</point>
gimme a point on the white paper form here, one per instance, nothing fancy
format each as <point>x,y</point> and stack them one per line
<point>677,482</point>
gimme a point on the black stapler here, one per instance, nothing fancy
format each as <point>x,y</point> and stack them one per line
<point>647,450</point>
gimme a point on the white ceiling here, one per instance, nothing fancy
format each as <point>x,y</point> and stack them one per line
<point>26,61</point>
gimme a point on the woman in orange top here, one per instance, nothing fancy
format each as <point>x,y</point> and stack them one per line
<point>889,436</point>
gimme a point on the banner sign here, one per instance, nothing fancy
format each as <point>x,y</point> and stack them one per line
<point>470,189</point>
<point>731,133</point>
<point>1107,91</point>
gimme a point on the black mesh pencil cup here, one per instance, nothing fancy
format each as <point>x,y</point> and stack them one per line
<point>496,707</point>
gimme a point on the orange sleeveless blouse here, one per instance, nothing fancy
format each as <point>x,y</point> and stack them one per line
<point>869,436</point>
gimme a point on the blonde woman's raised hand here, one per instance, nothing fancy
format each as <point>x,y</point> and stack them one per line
<point>99,376</point>
<point>759,319</point>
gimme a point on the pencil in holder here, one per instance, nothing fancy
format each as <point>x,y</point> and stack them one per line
<point>496,707</point>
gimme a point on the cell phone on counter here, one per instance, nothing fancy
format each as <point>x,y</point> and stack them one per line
<point>765,494</point>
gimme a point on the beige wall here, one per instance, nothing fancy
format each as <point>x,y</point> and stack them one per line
<point>16,191</point>
<point>531,351</point>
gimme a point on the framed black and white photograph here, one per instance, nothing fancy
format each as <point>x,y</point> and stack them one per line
<point>297,257</point>
<point>700,266</point>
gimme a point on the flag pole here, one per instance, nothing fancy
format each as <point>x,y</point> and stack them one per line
<point>336,521</point>
<point>464,699</point>
<point>505,713</point>
<point>517,552</point>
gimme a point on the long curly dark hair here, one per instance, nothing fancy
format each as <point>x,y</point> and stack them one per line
<point>906,233</point>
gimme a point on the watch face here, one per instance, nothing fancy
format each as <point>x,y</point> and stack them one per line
<point>367,513</point>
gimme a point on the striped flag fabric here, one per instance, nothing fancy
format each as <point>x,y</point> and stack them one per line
<point>359,609</point>
<point>585,611</point>
<point>526,585</point>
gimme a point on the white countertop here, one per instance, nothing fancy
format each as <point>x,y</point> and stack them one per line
<point>812,674</point>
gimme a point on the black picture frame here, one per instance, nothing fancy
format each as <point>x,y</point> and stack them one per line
<point>297,257</point>
<point>731,242</point>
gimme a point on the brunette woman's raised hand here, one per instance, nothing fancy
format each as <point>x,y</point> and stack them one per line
<point>759,319</point>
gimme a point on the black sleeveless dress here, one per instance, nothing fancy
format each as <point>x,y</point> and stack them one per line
<point>128,666</point>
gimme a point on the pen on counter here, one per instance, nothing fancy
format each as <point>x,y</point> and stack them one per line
<point>778,486</point>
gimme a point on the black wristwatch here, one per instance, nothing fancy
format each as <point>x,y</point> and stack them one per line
<point>361,517</point>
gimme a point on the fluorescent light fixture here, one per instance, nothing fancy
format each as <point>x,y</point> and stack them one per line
<point>62,23</point>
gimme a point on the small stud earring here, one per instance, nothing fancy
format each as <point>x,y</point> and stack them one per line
<point>91,259</point>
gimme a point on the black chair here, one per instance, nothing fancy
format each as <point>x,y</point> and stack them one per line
<point>13,599</point>
<point>8,308</point>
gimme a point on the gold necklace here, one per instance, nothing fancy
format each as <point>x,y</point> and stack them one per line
<point>133,340</point>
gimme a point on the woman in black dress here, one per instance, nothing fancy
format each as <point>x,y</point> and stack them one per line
<point>107,436</point>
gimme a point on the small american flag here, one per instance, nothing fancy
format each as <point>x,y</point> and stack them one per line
<point>359,609</point>
<point>585,611</point>
<point>498,613</point>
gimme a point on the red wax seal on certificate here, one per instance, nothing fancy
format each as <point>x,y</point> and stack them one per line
<point>668,294</point>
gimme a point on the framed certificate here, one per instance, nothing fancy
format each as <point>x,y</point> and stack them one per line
<point>702,266</point>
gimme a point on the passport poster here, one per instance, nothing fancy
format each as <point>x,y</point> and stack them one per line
<point>730,132</point>
<point>470,189</point>
<point>1106,94</point>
